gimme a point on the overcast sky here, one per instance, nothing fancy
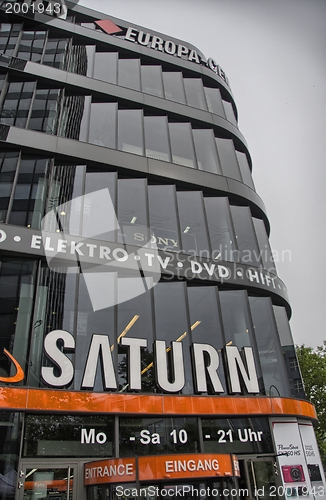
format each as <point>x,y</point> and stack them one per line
<point>274,54</point>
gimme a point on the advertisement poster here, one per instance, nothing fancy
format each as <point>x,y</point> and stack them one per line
<point>312,456</point>
<point>291,459</point>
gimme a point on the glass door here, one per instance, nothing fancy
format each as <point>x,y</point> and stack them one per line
<point>45,481</point>
<point>260,478</point>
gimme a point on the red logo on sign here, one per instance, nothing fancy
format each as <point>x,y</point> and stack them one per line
<point>108,26</point>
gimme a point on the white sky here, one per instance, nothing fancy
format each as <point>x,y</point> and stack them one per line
<point>274,54</point>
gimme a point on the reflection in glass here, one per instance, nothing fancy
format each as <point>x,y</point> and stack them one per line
<point>206,150</point>
<point>8,166</point>
<point>132,211</point>
<point>10,438</point>
<point>130,131</point>
<point>192,223</point>
<point>171,323</point>
<point>229,112</point>
<point>264,246</point>
<point>45,111</point>
<point>173,87</point>
<point>151,78</point>
<point>31,46</point>
<point>195,93</point>
<point>165,434</point>
<point>270,355</point>
<point>228,159</point>
<point>214,101</point>
<point>156,138</point>
<point>182,145</point>
<point>220,229</point>
<point>289,354</point>
<point>237,324</point>
<point>245,169</point>
<point>16,104</point>
<point>203,308</point>
<point>103,119</point>
<point>62,436</point>
<point>163,217</point>
<point>245,235</point>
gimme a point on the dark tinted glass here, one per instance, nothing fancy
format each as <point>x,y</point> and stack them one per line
<point>269,349</point>
<point>192,223</point>
<point>45,111</point>
<point>264,246</point>
<point>10,439</point>
<point>8,167</point>
<point>68,436</point>
<point>16,105</point>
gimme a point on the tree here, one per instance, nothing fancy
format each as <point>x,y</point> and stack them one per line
<point>313,369</point>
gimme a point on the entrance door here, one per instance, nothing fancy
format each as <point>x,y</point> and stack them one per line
<point>259,479</point>
<point>46,480</point>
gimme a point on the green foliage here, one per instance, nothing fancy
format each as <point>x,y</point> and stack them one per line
<point>313,369</point>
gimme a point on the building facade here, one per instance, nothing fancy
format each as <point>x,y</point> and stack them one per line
<point>145,349</point>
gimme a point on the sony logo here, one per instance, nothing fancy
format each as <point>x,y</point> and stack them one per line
<point>168,362</point>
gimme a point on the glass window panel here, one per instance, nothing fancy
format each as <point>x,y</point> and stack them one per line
<point>10,438</point>
<point>264,246</point>
<point>96,314</point>
<point>2,80</point>
<point>129,73</point>
<point>220,229</point>
<point>32,178</point>
<point>228,159</point>
<point>193,224</point>
<point>171,324</point>
<point>61,436</point>
<point>102,128</point>
<point>106,66</point>
<point>90,54</point>
<point>156,138</point>
<point>237,323</point>
<point>195,93</point>
<point>152,83</point>
<point>163,431</point>
<point>269,349</point>
<point>245,169</point>
<point>182,145</point>
<point>130,131</point>
<point>163,217</point>
<point>289,353</point>
<point>231,430</point>
<point>206,150</point>
<point>229,112</point>
<point>135,320</point>
<point>173,87</point>
<point>214,101</point>
<point>245,235</point>
<point>132,211</point>
<point>203,308</point>
<point>96,202</point>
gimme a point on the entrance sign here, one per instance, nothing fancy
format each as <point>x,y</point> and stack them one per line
<point>115,470</point>
<point>184,466</point>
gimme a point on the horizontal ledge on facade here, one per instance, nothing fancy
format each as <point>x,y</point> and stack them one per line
<point>27,399</point>
<point>76,151</point>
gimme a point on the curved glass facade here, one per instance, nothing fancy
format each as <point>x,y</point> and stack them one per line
<point>145,348</point>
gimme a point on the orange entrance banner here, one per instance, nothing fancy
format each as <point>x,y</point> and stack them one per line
<point>184,466</point>
<point>115,470</point>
